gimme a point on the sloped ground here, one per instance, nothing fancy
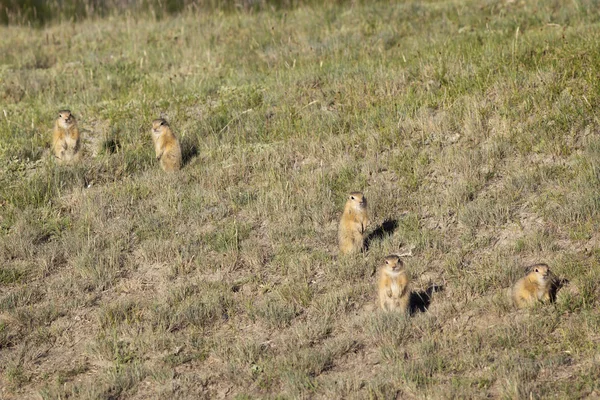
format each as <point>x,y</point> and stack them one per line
<point>472,128</point>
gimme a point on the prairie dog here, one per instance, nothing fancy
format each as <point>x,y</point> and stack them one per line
<point>533,287</point>
<point>393,285</point>
<point>353,223</point>
<point>66,143</point>
<point>166,145</point>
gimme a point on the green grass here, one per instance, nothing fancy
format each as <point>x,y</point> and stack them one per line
<point>471,127</point>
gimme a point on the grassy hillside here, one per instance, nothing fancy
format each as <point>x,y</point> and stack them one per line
<point>471,127</point>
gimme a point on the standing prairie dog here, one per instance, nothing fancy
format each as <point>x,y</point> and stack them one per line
<point>66,143</point>
<point>166,145</point>
<point>533,287</point>
<point>393,285</point>
<point>353,223</point>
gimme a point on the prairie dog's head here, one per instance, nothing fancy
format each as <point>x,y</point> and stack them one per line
<point>539,272</point>
<point>159,126</point>
<point>357,200</point>
<point>65,119</point>
<point>392,265</point>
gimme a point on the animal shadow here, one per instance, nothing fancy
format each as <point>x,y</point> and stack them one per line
<point>420,301</point>
<point>555,286</point>
<point>189,150</point>
<point>386,228</point>
<point>111,146</point>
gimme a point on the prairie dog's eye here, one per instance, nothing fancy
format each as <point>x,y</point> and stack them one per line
<point>352,197</point>
<point>537,270</point>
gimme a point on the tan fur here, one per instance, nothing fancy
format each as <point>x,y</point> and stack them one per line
<point>66,142</point>
<point>166,145</point>
<point>394,294</point>
<point>353,224</point>
<point>534,287</point>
